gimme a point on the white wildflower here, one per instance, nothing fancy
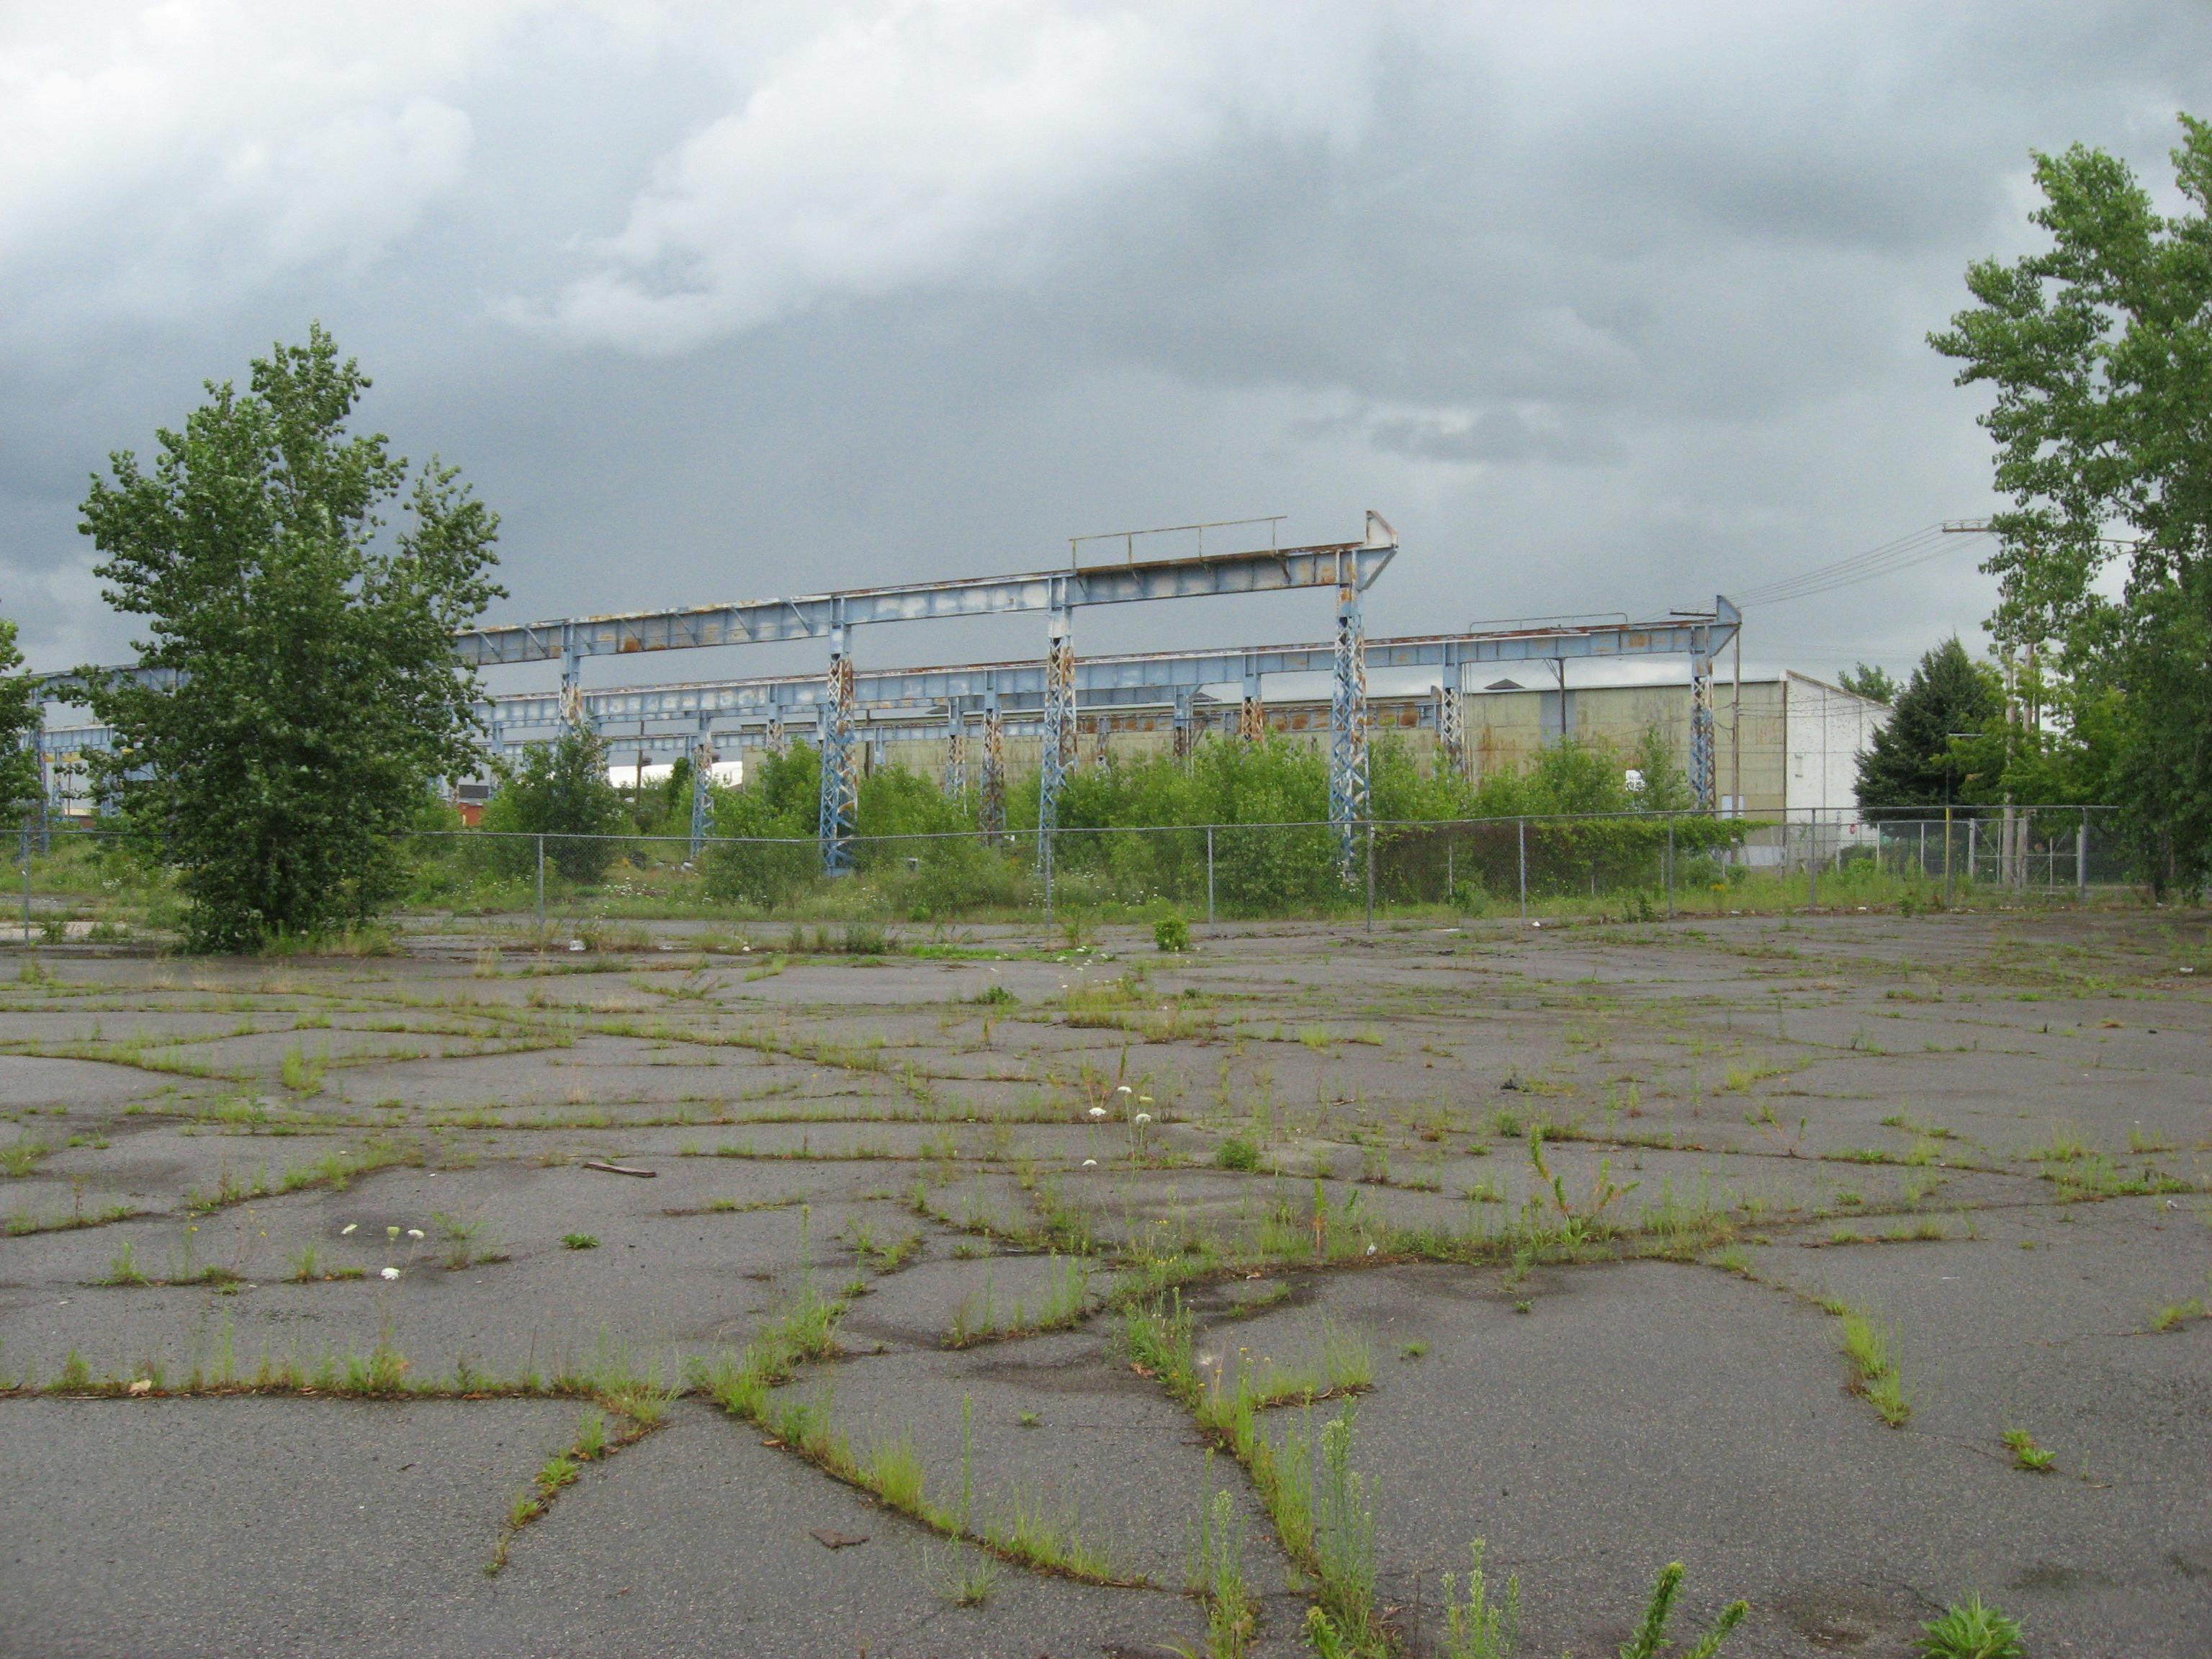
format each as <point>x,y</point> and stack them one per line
<point>347,1227</point>
<point>1123,1089</point>
<point>1370,1249</point>
<point>1097,1111</point>
<point>391,1273</point>
<point>1144,1117</point>
<point>1089,1163</point>
<point>415,1232</point>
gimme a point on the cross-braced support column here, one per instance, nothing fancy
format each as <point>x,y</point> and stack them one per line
<point>1252,712</point>
<point>1185,731</point>
<point>840,781</point>
<point>1057,757</point>
<point>1347,733</point>
<point>572,687</point>
<point>772,730</point>
<point>991,814</point>
<point>1451,722</point>
<point>1701,730</point>
<point>956,752</point>
<point>703,772</point>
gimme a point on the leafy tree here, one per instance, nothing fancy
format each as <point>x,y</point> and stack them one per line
<point>780,802</point>
<point>1911,765</point>
<point>19,722</point>
<point>558,790</point>
<point>1869,682</point>
<point>2099,353</point>
<point>312,696</point>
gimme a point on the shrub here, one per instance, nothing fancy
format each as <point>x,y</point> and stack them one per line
<point>1171,934</point>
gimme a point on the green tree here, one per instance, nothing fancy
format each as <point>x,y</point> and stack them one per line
<point>770,857</point>
<point>19,725</point>
<point>1869,682</point>
<point>308,696</point>
<point>1912,764</point>
<point>558,790</point>
<point>2098,350</point>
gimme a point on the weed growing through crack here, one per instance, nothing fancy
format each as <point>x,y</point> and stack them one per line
<point>1066,1302</point>
<point>1651,1634</point>
<point>303,1072</point>
<point>1238,1152</point>
<point>20,1157</point>
<point>579,1241</point>
<point>1477,1628</point>
<point>1869,1346</point>
<point>124,1268</point>
<point>1216,1575</point>
<point>2025,1454</point>
<point>593,1442</point>
<point>1973,1630</point>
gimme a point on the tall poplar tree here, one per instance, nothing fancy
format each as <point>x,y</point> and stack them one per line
<point>19,722</point>
<point>2099,353</point>
<point>299,694</point>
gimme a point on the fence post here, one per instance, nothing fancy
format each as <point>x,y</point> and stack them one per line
<point>27,886</point>
<point>1209,875</point>
<point>2081,859</point>
<point>1947,856</point>
<point>1522,829</point>
<point>1449,884</point>
<point>1973,837</point>
<point>1811,864</point>
<point>541,878</point>
<point>1670,866</point>
<point>1045,836</point>
<point>1370,875</point>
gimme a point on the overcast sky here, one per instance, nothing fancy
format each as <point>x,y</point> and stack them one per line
<point>1606,308</point>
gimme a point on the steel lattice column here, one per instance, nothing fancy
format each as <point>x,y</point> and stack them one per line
<point>1252,712</point>
<point>1347,731</point>
<point>956,752</point>
<point>772,730</point>
<point>1451,722</point>
<point>841,784</point>
<point>572,685</point>
<point>991,817</point>
<point>1057,757</point>
<point>1186,736</point>
<point>703,772</point>
<point>1701,729</point>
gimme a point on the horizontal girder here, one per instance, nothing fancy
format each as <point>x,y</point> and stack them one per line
<point>760,621</point>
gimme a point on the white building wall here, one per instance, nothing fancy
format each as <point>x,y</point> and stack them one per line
<point>1824,730</point>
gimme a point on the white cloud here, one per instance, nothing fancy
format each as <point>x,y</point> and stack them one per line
<point>163,157</point>
<point>908,144</point>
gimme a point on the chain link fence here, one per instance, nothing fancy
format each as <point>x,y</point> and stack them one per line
<point>79,882</point>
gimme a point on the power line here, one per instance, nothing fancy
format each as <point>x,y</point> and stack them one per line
<point>1921,547</point>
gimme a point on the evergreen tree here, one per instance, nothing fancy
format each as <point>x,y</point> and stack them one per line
<point>1869,682</point>
<point>1913,766</point>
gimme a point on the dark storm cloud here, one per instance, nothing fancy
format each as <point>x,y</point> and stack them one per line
<point>1607,306</point>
